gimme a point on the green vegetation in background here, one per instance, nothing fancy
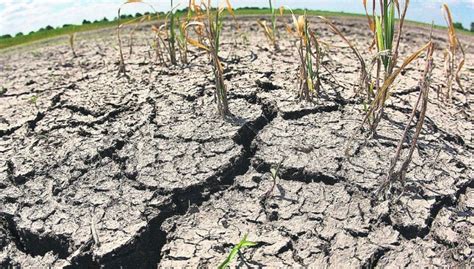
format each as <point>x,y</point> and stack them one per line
<point>49,32</point>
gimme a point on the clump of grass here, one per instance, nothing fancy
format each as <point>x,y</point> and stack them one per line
<point>271,32</point>
<point>236,250</point>
<point>383,27</point>
<point>451,66</point>
<point>419,109</point>
<point>72,38</point>
<point>208,27</point>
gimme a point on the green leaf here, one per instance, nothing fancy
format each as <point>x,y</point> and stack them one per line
<point>235,250</point>
<point>378,29</point>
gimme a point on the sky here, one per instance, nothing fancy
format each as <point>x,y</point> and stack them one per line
<point>30,15</point>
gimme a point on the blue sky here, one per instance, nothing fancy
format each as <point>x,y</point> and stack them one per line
<point>30,15</point>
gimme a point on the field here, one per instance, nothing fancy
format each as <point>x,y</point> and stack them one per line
<point>139,170</point>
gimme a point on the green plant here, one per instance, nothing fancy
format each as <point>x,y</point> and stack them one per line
<point>235,250</point>
<point>34,100</point>
<point>387,55</point>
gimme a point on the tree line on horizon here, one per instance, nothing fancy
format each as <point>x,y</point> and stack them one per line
<point>457,25</point>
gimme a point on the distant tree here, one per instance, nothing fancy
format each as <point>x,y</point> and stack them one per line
<point>138,14</point>
<point>5,36</point>
<point>105,19</point>
<point>123,16</point>
<point>41,29</point>
<point>96,21</point>
<point>49,27</point>
<point>86,22</point>
<point>19,34</point>
<point>472,26</point>
<point>67,25</point>
<point>458,25</point>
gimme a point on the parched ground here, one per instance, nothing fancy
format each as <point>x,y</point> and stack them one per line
<point>99,170</point>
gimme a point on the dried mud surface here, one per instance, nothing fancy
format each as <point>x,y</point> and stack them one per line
<point>97,170</point>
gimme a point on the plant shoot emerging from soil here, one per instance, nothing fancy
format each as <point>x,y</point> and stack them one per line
<point>236,250</point>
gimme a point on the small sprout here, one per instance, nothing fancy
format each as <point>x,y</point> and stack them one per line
<point>34,100</point>
<point>274,171</point>
<point>236,250</point>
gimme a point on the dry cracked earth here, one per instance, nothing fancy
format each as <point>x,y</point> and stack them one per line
<point>103,171</point>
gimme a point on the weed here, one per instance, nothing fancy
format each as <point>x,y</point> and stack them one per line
<point>452,69</point>
<point>236,250</point>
